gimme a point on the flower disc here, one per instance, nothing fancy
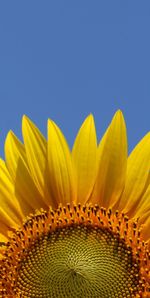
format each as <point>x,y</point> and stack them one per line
<point>71,253</point>
<point>77,261</point>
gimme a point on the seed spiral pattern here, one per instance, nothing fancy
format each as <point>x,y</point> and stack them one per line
<point>70,254</point>
<point>78,262</point>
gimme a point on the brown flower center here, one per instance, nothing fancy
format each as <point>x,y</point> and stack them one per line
<point>76,252</point>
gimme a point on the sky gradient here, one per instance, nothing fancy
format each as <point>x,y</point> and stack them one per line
<point>65,59</point>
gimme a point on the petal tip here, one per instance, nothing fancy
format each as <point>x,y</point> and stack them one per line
<point>9,136</point>
<point>25,120</point>
<point>52,125</point>
<point>89,121</point>
<point>119,118</point>
<point>90,117</point>
<point>119,113</point>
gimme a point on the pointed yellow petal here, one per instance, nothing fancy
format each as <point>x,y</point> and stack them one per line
<point>84,157</point>
<point>26,191</point>
<point>36,153</point>
<point>112,157</point>
<point>35,147</point>
<point>14,150</point>
<point>61,176</point>
<point>138,172</point>
<point>10,212</point>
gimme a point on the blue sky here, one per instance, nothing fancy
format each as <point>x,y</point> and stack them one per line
<point>66,59</point>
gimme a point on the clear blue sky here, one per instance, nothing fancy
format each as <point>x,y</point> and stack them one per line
<point>66,59</point>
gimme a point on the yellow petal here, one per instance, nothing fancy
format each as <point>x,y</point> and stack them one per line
<point>112,158</point>
<point>84,157</point>
<point>138,176</point>
<point>35,147</point>
<point>60,169</point>
<point>143,208</point>
<point>25,189</point>
<point>10,212</point>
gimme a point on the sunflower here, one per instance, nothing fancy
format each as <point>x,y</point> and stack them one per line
<point>75,223</point>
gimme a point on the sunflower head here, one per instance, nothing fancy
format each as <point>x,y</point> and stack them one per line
<point>75,223</point>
